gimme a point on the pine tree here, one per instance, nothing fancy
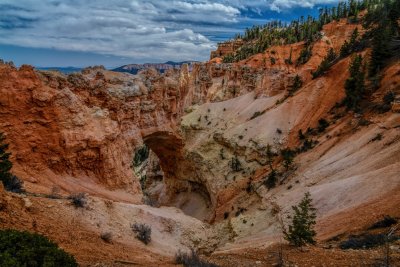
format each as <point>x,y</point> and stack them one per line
<point>380,51</point>
<point>297,84</point>
<point>5,163</point>
<point>301,230</point>
<point>288,156</point>
<point>10,182</point>
<point>289,60</point>
<point>345,49</point>
<point>326,63</point>
<point>355,84</point>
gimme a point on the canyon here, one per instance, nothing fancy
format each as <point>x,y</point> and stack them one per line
<point>206,130</point>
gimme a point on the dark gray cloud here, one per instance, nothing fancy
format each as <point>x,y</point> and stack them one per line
<point>167,30</point>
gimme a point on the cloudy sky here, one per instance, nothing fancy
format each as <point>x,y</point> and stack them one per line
<point>116,32</point>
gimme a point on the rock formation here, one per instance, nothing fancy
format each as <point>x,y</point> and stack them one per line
<point>208,129</point>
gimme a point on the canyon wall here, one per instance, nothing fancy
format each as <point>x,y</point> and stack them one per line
<point>209,127</point>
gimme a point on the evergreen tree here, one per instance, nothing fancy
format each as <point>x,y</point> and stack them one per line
<point>301,231</point>
<point>384,31</point>
<point>5,163</point>
<point>305,55</point>
<point>345,49</point>
<point>355,85</point>
<point>288,156</point>
<point>289,60</point>
<point>270,156</point>
<point>10,182</point>
<point>380,51</point>
<point>297,83</point>
<point>326,63</point>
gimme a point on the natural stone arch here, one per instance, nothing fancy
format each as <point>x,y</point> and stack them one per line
<point>182,189</point>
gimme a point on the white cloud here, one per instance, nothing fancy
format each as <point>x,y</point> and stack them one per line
<point>153,29</point>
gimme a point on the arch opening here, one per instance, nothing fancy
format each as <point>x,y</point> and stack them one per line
<point>167,179</point>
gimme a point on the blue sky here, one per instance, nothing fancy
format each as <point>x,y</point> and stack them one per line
<point>115,32</point>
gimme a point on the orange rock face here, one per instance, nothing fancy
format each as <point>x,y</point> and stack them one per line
<point>82,130</point>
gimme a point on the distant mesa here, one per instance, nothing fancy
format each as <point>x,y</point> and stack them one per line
<point>65,70</point>
<point>161,67</point>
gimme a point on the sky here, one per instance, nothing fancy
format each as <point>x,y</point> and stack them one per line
<point>60,33</point>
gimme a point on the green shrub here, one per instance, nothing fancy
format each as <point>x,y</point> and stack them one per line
<point>106,237</point>
<point>235,164</point>
<point>271,180</point>
<point>256,114</point>
<point>366,241</point>
<point>78,200</point>
<point>142,232</point>
<point>322,125</point>
<point>385,222</point>
<point>24,249</point>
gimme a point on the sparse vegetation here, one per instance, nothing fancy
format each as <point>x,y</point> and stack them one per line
<point>226,215</point>
<point>142,232</point>
<point>106,237</point>
<point>78,200</point>
<point>221,153</point>
<point>377,137</point>
<point>256,114</point>
<point>235,164</point>
<point>270,156</point>
<point>27,249</point>
<point>301,135</point>
<point>307,145</point>
<point>322,125</point>
<point>388,98</point>
<point>301,230</point>
<point>191,260</point>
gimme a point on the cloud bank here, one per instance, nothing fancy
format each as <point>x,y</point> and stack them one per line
<point>138,29</point>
